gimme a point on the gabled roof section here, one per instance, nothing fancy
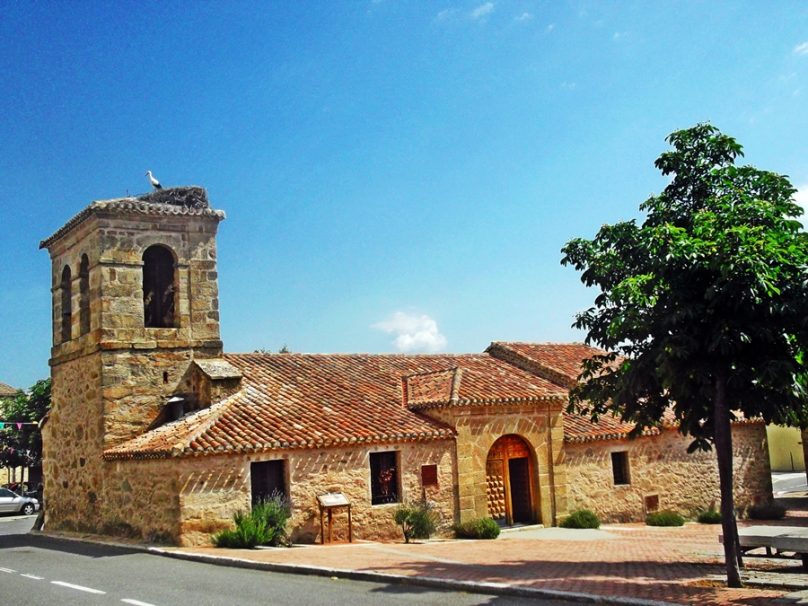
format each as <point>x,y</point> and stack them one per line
<point>557,362</point>
<point>437,387</point>
<point>217,369</point>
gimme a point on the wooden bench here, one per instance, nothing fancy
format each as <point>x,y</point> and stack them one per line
<point>778,541</point>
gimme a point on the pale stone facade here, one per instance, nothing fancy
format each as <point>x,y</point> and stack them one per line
<point>499,450</point>
<point>660,466</point>
<point>213,488</point>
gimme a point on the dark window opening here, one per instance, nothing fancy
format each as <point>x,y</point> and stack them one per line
<point>429,475</point>
<point>383,478</point>
<point>267,478</point>
<point>67,304</point>
<point>84,295</point>
<point>651,503</point>
<point>620,468</point>
<point>158,287</point>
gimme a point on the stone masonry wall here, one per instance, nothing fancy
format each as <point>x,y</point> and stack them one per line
<point>214,488</point>
<point>660,465</point>
<point>141,500</point>
<point>71,446</point>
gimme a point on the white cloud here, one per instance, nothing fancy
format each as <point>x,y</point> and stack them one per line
<point>524,17</point>
<point>550,27</point>
<point>445,14</point>
<point>801,197</point>
<point>801,49</point>
<point>413,332</point>
<point>482,11</point>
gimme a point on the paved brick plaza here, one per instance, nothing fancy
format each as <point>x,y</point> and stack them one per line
<point>629,560</point>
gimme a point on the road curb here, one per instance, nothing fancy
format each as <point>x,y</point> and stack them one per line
<point>499,589</point>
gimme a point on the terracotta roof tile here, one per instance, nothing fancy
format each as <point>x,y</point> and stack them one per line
<point>322,400</point>
<point>319,400</point>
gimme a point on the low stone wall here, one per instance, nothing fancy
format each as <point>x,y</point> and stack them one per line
<point>661,466</point>
<point>212,489</point>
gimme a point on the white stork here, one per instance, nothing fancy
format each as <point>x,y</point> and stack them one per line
<point>154,182</point>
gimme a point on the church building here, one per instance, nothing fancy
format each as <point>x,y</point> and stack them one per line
<point>155,433</point>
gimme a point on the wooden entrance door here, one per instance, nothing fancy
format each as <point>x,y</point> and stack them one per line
<point>519,476</point>
<point>509,476</point>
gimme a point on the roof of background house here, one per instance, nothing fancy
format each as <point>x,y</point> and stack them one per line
<point>7,390</point>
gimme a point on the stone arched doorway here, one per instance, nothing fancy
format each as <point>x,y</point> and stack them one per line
<point>510,473</point>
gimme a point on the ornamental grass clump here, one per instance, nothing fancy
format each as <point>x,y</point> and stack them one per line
<point>711,516</point>
<point>417,520</point>
<point>581,518</point>
<point>264,525</point>
<point>479,528</point>
<point>664,518</point>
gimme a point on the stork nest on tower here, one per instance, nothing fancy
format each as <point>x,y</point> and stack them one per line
<point>190,197</point>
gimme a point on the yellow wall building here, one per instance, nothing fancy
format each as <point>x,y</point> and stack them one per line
<point>785,448</point>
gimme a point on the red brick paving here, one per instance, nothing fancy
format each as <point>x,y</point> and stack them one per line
<point>668,564</point>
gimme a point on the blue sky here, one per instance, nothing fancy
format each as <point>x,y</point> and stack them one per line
<point>398,176</point>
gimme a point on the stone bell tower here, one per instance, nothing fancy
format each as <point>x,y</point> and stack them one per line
<point>135,301</point>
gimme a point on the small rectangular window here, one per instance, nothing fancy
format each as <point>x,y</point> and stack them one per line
<point>620,468</point>
<point>383,478</point>
<point>429,475</point>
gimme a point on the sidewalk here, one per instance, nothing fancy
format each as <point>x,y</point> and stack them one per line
<point>630,561</point>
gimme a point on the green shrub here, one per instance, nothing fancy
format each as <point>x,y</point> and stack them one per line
<point>665,517</point>
<point>581,518</point>
<point>711,516</point>
<point>771,511</point>
<point>264,525</point>
<point>275,511</point>
<point>480,528</point>
<point>417,520</point>
<point>248,533</point>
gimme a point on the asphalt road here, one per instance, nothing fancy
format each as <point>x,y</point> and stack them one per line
<point>36,570</point>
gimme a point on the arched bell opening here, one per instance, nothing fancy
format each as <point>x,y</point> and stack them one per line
<point>510,476</point>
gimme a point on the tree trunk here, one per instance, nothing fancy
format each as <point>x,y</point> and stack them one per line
<point>723,447</point>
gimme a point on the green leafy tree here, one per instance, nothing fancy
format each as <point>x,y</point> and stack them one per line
<point>23,446</point>
<point>702,306</point>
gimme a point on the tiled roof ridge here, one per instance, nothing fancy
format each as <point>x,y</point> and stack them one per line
<point>500,350</point>
<point>212,412</point>
<point>358,355</point>
<point>489,401</point>
<point>140,204</point>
